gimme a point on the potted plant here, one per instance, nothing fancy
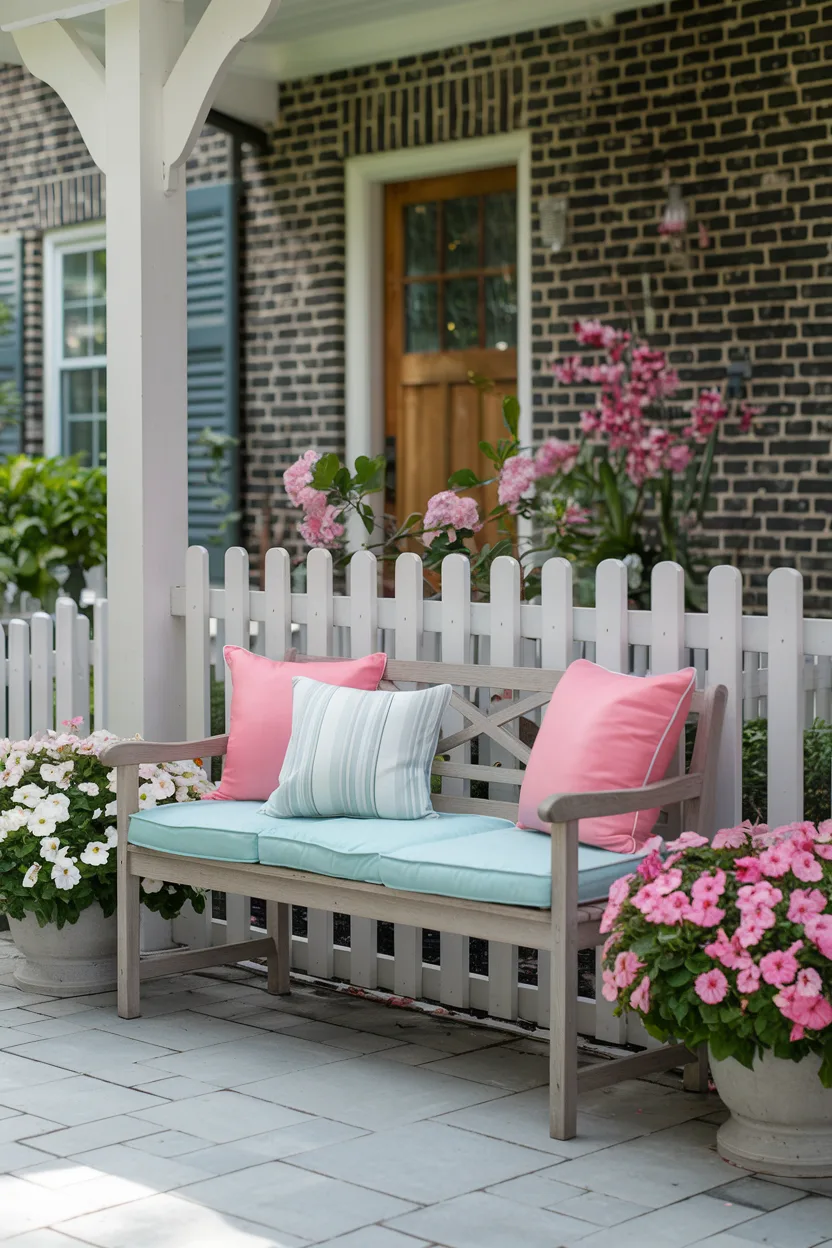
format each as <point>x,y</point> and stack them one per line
<point>58,856</point>
<point>729,944</point>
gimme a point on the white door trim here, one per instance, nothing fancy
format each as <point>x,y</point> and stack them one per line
<point>364,311</point>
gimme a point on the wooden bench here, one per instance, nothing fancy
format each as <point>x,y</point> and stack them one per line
<point>561,930</point>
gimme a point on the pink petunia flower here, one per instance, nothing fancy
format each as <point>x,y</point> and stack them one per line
<point>668,882</point>
<point>748,870</point>
<point>627,966</point>
<point>711,986</point>
<point>778,968</point>
<point>640,996</point>
<point>762,893</point>
<point>674,908</point>
<point>709,885</point>
<point>650,866</point>
<point>704,912</point>
<point>824,851</point>
<point>750,933</point>
<point>806,867</point>
<point>808,982</point>
<point>824,831</point>
<point>803,904</point>
<point>818,929</point>
<point>748,978</point>
<point>609,991</point>
<point>777,859</point>
<point>730,838</point>
<point>688,840</point>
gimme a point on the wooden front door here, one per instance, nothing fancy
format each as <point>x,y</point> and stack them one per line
<point>451,311</point>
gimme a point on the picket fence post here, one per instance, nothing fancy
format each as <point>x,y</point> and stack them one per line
<point>786,702</point>
<point>66,660</point>
<point>237,633</point>
<point>100,650</point>
<point>363,640</point>
<point>725,668</point>
<point>19,681</point>
<point>410,616</point>
<point>42,658</point>
<point>320,950</point>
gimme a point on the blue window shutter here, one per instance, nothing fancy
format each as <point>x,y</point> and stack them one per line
<point>213,388</point>
<point>11,335</point>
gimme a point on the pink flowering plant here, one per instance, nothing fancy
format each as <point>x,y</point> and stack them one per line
<point>728,943</point>
<point>634,485</point>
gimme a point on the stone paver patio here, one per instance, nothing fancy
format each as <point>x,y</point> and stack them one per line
<point>226,1118</point>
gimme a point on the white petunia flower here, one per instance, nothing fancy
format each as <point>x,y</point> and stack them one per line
<point>147,797</point>
<point>162,787</point>
<point>152,886</point>
<point>29,795</point>
<point>111,780</point>
<point>50,847</point>
<point>96,854</point>
<point>97,813</point>
<point>57,773</point>
<point>30,879</point>
<point>65,873</point>
<point>19,758</point>
<point>16,818</point>
<point>10,777</point>
<point>89,788</point>
<point>41,824</point>
<point>51,808</point>
<point>111,810</point>
<point>112,837</point>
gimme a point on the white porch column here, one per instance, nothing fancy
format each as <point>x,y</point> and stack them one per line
<point>147,467</point>
<point>140,117</point>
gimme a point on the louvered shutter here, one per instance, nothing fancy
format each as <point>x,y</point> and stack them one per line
<point>11,333</point>
<point>213,399</point>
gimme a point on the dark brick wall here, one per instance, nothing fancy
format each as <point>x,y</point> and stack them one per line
<point>733,101</point>
<point>48,180</point>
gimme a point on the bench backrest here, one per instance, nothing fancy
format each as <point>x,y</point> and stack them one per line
<point>488,717</point>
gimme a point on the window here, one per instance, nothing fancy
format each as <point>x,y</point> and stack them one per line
<point>76,344</point>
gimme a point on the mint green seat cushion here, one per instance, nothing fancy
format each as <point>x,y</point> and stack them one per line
<point>223,830</point>
<point>351,849</point>
<point>507,865</point>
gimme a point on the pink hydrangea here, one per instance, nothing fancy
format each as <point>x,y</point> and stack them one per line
<point>778,967</point>
<point>711,986</point>
<point>322,528</point>
<point>298,476</point>
<point>449,511</point>
<point>730,838</point>
<point>803,904</point>
<point>640,996</point>
<point>517,476</point>
<point>554,456</point>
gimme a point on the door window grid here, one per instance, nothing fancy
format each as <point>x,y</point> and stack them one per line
<point>467,296</point>
<point>80,350</point>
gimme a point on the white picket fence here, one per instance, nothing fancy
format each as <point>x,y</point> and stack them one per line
<point>53,669</point>
<point>778,665</point>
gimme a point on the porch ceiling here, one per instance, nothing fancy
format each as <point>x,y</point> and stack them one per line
<point>309,37</point>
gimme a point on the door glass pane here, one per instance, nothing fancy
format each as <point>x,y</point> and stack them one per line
<point>102,443</point>
<point>78,392</point>
<point>77,340</point>
<point>500,312</point>
<point>98,329</point>
<point>420,239</point>
<point>462,233</point>
<point>421,317</point>
<point>99,273</point>
<point>461,313</point>
<point>101,397</point>
<point>500,229</point>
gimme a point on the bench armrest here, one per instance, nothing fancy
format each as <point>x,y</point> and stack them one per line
<point>125,753</point>
<point>563,807</point>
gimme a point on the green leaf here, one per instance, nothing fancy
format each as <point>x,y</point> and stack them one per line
<point>612,497</point>
<point>324,472</point>
<point>463,479</point>
<point>490,453</point>
<point>511,414</point>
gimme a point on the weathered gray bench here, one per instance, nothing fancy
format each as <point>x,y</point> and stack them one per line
<point>556,887</point>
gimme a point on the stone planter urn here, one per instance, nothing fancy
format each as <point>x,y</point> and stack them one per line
<point>77,959</point>
<point>781,1117</point>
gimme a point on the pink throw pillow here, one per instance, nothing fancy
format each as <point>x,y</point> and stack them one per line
<point>261,715</point>
<point>603,730</point>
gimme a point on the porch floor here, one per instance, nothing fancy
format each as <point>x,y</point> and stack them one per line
<point>225,1118</point>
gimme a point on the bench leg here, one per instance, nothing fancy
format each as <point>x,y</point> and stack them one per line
<point>563,1005</point>
<point>696,1074</point>
<point>128,905</point>
<point>279,927</point>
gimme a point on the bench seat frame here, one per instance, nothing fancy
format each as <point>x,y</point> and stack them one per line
<point>561,930</point>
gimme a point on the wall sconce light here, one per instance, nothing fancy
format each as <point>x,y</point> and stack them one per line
<point>675,216</point>
<point>554,222</point>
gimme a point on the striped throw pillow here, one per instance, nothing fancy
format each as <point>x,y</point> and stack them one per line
<point>359,754</point>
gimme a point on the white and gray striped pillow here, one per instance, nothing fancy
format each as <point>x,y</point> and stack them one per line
<point>362,754</point>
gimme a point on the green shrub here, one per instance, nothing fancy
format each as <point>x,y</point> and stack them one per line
<point>53,516</point>
<point>817,771</point>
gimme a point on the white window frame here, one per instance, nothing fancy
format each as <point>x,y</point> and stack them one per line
<point>56,245</point>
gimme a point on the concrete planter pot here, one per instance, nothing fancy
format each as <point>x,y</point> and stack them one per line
<point>77,959</point>
<point>781,1117</point>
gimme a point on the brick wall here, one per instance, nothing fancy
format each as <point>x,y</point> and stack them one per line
<point>48,180</point>
<point>733,101</point>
